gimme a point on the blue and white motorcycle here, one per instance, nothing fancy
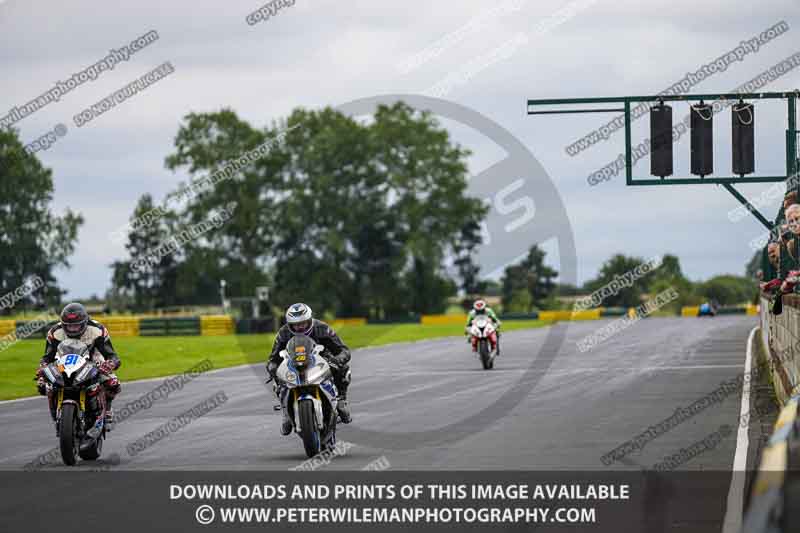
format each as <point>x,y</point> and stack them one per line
<point>79,402</point>
<point>304,384</point>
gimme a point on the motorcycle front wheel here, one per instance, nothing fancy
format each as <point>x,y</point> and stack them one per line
<point>483,348</point>
<point>68,434</point>
<point>308,427</point>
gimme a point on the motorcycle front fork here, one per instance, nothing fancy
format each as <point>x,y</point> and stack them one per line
<point>94,405</point>
<point>492,341</point>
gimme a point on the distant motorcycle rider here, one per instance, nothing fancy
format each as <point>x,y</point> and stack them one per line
<point>480,308</point>
<point>76,324</point>
<point>300,321</point>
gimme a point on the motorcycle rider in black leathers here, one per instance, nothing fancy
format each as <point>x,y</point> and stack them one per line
<point>76,324</point>
<point>299,321</point>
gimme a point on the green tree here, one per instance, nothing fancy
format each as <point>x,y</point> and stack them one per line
<point>492,287</point>
<point>354,218</point>
<point>146,281</point>
<point>532,276</point>
<point>619,265</point>
<point>728,289</point>
<point>464,250</point>
<point>35,241</point>
<point>519,302</point>
<point>669,268</point>
<point>669,275</point>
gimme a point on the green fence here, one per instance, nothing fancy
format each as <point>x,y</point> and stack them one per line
<point>156,327</point>
<point>22,331</point>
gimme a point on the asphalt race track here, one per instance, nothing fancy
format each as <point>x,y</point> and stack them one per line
<point>583,406</point>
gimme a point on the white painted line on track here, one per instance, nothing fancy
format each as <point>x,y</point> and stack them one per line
<point>733,511</point>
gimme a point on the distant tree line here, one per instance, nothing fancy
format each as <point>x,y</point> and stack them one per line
<point>354,218</point>
<point>530,285</point>
<point>357,218</point>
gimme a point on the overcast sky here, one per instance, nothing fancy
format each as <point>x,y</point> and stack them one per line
<point>326,52</point>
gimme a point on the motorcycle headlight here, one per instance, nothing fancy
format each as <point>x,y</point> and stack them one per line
<point>86,372</point>
<point>49,374</point>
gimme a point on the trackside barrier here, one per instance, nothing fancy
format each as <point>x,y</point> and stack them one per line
<point>780,338</point>
<point>33,331</point>
<point>410,319</point>
<point>443,320</point>
<point>613,311</point>
<point>7,326</point>
<point>246,326</point>
<point>341,322</point>
<point>774,497</point>
<point>122,326</point>
<point>216,325</point>
<point>591,314</point>
<point>551,316</point>
<point>183,326</point>
<point>692,310</point>
<point>533,315</point>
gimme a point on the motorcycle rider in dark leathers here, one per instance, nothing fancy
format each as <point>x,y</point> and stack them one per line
<point>76,324</point>
<point>300,321</point>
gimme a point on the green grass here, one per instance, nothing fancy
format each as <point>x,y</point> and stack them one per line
<point>148,357</point>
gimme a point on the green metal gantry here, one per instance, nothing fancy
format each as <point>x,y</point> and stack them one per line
<point>792,154</point>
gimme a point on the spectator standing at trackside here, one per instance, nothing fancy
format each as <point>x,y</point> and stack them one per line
<point>790,237</point>
<point>789,199</point>
<point>770,279</point>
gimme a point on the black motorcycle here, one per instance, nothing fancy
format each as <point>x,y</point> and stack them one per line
<point>78,402</point>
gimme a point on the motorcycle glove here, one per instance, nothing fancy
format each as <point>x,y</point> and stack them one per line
<point>107,367</point>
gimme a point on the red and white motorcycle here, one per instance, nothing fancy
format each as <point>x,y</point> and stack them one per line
<point>483,337</point>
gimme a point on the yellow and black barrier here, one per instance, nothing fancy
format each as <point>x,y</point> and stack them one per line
<point>694,310</point>
<point>772,506</point>
<point>216,325</point>
<point>776,486</point>
<point>150,325</point>
<point>549,316</point>
<point>7,327</point>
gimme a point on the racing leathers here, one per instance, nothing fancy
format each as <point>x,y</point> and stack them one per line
<point>493,317</point>
<point>336,353</point>
<point>95,336</point>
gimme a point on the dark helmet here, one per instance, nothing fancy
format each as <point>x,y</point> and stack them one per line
<point>74,319</point>
<point>300,350</point>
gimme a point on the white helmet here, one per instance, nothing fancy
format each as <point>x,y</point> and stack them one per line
<point>299,319</point>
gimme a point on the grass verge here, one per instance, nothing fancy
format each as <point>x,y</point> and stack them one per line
<point>149,357</point>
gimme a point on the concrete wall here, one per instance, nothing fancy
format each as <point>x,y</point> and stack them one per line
<point>780,338</point>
